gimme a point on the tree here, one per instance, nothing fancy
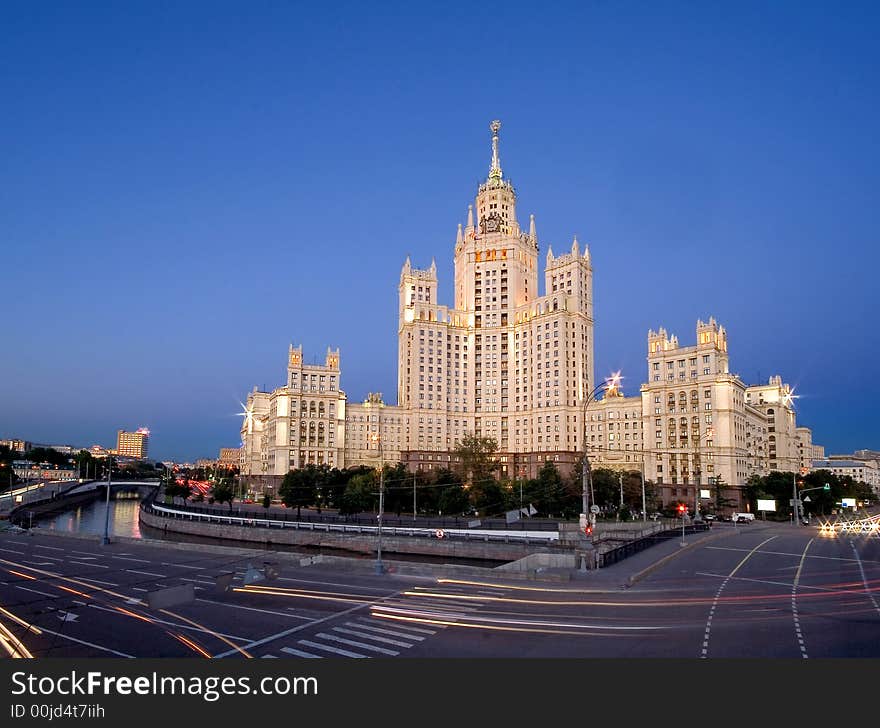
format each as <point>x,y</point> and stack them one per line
<point>300,487</point>
<point>222,492</point>
<point>448,493</point>
<point>358,495</point>
<point>549,490</point>
<point>476,463</point>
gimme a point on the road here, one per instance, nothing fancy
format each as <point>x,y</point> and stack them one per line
<point>761,590</point>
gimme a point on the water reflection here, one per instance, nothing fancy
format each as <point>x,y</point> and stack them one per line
<point>90,518</point>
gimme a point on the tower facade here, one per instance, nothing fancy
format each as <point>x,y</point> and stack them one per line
<point>506,361</point>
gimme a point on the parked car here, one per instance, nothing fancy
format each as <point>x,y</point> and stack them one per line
<point>710,517</point>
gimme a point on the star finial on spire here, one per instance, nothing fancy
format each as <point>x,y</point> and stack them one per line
<point>495,170</point>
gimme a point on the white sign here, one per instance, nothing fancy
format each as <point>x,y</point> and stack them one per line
<point>704,493</point>
<point>594,509</point>
<point>767,505</point>
<point>848,502</point>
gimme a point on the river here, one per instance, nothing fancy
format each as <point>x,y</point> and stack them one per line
<point>123,521</point>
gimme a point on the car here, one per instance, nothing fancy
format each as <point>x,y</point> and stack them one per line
<point>743,519</point>
<point>710,517</point>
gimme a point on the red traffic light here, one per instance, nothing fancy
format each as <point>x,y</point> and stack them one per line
<point>682,508</point>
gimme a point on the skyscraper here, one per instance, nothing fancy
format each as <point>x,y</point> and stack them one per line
<point>133,444</point>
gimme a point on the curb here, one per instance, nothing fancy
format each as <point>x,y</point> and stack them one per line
<point>638,576</point>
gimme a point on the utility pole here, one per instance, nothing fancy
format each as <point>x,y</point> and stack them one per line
<point>644,505</point>
<point>414,495</point>
<point>106,539</point>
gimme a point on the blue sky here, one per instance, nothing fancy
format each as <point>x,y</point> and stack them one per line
<point>175,174</point>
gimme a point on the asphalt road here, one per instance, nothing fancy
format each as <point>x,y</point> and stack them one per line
<point>761,590</point>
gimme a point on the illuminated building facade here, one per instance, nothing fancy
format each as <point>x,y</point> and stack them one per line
<point>133,444</point>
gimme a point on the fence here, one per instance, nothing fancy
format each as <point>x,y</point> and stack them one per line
<point>621,552</point>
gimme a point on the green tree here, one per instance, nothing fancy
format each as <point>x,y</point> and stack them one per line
<point>549,490</point>
<point>300,487</point>
<point>222,492</point>
<point>359,494</point>
<point>476,463</point>
<point>448,493</point>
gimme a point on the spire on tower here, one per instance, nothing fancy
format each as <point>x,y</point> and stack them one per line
<point>495,169</point>
<point>459,239</point>
<point>533,232</point>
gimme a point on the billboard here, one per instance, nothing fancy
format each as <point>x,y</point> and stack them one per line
<point>848,502</point>
<point>766,505</point>
<point>704,493</point>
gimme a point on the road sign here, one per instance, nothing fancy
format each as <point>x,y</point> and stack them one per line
<point>826,487</point>
<point>594,509</point>
<point>807,499</point>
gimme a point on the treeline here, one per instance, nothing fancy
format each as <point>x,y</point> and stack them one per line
<point>780,486</point>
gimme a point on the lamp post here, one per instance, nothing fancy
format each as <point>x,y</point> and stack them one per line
<point>106,539</point>
<point>610,383</point>
<point>710,432</point>
<point>380,568</point>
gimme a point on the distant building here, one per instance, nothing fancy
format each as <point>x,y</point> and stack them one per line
<point>133,444</point>
<point>26,470</point>
<point>16,445</point>
<point>229,457</point>
<point>865,471</point>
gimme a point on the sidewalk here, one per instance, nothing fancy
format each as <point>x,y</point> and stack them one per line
<point>633,569</point>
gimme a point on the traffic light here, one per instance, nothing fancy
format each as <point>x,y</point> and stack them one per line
<point>682,509</point>
<point>588,529</point>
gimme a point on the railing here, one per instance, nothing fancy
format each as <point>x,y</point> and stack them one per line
<point>493,524</point>
<point>443,533</point>
<point>640,544</point>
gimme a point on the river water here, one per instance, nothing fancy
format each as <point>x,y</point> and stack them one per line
<point>123,521</point>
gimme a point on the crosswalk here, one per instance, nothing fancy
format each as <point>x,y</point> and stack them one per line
<point>372,635</point>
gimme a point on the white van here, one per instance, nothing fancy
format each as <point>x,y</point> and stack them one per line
<point>740,517</point>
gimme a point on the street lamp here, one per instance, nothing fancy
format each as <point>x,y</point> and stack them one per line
<point>611,383</point>
<point>106,539</point>
<point>710,432</point>
<point>377,438</point>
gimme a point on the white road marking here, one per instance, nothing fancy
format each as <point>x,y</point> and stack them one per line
<point>126,558</point>
<point>381,630</point>
<point>406,627</point>
<point>37,591</point>
<point>344,653</point>
<point>181,566</point>
<point>375,638</point>
<point>88,644</point>
<point>253,609</point>
<point>50,548</point>
<point>353,643</point>
<point>299,653</point>
<point>146,573</point>
<point>279,635</point>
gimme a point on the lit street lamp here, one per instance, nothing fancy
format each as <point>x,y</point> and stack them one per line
<point>609,384</point>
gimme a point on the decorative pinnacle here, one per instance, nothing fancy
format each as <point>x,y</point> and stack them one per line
<point>495,170</point>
